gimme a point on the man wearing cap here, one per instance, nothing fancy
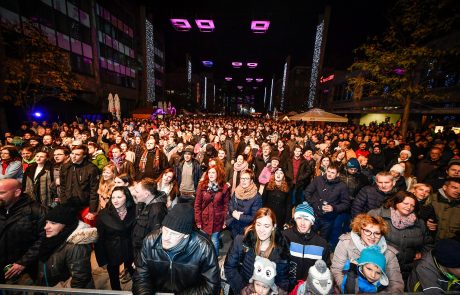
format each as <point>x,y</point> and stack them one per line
<point>21,232</point>
<point>305,245</point>
<point>438,271</point>
<point>188,174</point>
<point>177,259</point>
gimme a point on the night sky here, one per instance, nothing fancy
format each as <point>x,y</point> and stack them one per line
<point>291,32</point>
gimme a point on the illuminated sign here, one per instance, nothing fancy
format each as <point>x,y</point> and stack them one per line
<point>251,65</point>
<point>260,26</point>
<point>181,24</point>
<point>325,79</point>
<point>205,25</point>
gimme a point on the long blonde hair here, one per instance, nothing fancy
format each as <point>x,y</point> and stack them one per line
<point>106,186</point>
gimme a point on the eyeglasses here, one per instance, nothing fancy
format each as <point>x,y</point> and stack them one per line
<point>370,233</point>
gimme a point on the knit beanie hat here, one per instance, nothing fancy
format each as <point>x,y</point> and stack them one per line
<point>319,280</point>
<point>62,214</point>
<point>446,253</point>
<point>304,210</point>
<point>180,218</point>
<point>397,168</point>
<point>407,152</point>
<point>264,272</point>
<point>353,163</point>
<point>373,255</point>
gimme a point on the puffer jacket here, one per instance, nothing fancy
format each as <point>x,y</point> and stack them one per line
<point>348,249</point>
<point>79,183</point>
<point>334,192</point>
<point>249,208</point>
<point>21,233</point>
<point>407,241</point>
<point>368,198</point>
<point>239,263</point>
<point>193,269</point>
<point>211,208</point>
<point>148,218</point>
<point>71,260</point>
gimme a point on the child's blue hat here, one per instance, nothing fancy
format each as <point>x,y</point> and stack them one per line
<point>374,255</point>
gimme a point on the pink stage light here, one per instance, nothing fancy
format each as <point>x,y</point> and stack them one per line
<point>205,25</point>
<point>260,26</point>
<point>228,78</point>
<point>252,65</point>
<point>249,79</point>
<point>181,24</point>
<point>237,64</point>
<point>259,80</point>
<point>207,63</point>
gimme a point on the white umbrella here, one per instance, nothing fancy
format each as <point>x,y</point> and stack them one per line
<point>117,106</point>
<point>111,105</point>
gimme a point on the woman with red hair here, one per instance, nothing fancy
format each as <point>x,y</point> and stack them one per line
<point>211,203</point>
<point>261,238</point>
<point>167,183</point>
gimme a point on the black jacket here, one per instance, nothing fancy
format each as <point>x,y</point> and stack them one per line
<point>190,270</point>
<point>304,173</point>
<point>239,263</point>
<point>368,198</point>
<point>304,250</point>
<point>21,233</point>
<point>148,218</point>
<point>79,184</point>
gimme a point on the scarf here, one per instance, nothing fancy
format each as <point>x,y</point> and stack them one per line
<point>237,168</point>
<point>143,160</point>
<point>5,164</point>
<point>246,193</point>
<point>213,187</point>
<point>49,245</point>
<point>402,222</point>
<point>118,162</point>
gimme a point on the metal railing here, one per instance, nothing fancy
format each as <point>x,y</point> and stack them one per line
<point>18,289</point>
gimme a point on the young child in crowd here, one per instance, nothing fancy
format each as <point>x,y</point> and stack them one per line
<point>367,275</point>
<point>262,281</point>
<point>319,281</point>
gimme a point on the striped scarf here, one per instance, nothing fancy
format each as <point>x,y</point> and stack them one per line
<point>143,161</point>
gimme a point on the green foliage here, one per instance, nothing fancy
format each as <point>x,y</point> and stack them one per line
<point>408,46</point>
<point>36,69</point>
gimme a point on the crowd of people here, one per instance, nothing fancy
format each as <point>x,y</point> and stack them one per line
<point>311,208</point>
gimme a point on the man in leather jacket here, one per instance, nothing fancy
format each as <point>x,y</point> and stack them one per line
<point>177,259</point>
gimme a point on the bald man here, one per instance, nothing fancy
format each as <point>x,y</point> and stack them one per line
<point>21,233</point>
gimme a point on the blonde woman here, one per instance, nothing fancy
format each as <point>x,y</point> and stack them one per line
<point>106,184</point>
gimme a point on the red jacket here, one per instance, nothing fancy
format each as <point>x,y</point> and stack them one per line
<point>211,208</point>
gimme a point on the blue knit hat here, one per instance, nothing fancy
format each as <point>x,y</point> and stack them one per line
<point>304,210</point>
<point>373,255</point>
<point>353,163</point>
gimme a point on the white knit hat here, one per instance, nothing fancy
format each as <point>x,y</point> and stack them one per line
<point>397,168</point>
<point>407,152</point>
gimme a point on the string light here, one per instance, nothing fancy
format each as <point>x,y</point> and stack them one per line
<point>271,97</point>
<point>283,87</point>
<point>315,64</point>
<point>150,61</point>
<point>189,78</point>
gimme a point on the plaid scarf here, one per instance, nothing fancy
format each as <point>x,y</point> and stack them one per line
<point>143,161</point>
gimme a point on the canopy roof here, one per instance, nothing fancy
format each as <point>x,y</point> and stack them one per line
<point>319,115</point>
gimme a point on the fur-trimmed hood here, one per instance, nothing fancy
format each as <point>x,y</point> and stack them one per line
<point>83,234</point>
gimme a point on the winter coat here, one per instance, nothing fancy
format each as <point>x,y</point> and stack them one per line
<point>354,182</point>
<point>114,245</point>
<point>368,198</point>
<point>407,241</point>
<point>21,233</point>
<point>239,263</point>
<point>426,277</point>
<point>334,192</point>
<point>377,162</point>
<point>13,171</point>
<point>126,167</point>
<point>447,213</point>
<point>259,165</point>
<point>39,188</point>
<point>148,218</point>
<point>249,208</point>
<point>280,203</point>
<point>211,208</point>
<point>196,172</point>
<point>79,184</point>
<point>304,250</point>
<point>303,176</point>
<point>71,260</point>
<point>192,270</point>
<point>348,249</point>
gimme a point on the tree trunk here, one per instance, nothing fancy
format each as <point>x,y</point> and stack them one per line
<point>405,117</point>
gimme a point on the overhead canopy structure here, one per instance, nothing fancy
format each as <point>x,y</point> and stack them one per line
<point>292,113</point>
<point>319,115</point>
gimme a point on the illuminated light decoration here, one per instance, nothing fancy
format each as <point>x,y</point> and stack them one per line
<point>205,25</point>
<point>239,87</point>
<point>328,78</point>
<point>252,65</point>
<point>237,64</point>
<point>283,86</point>
<point>271,97</point>
<point>265,95</point>
<point>181,24</point>
<point>228,79</point>
<point>315,64</point>
<point>189,77</point>
<point>259,80</point>
<point>37,114</point>
<point>249,79</point>
<point>150,61</point>
<point>255,87</point>
<point>399,71</point>
<point>205,90</point>
<point>214,96</point>
<point>208,63</point>
<point>260,26</point>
